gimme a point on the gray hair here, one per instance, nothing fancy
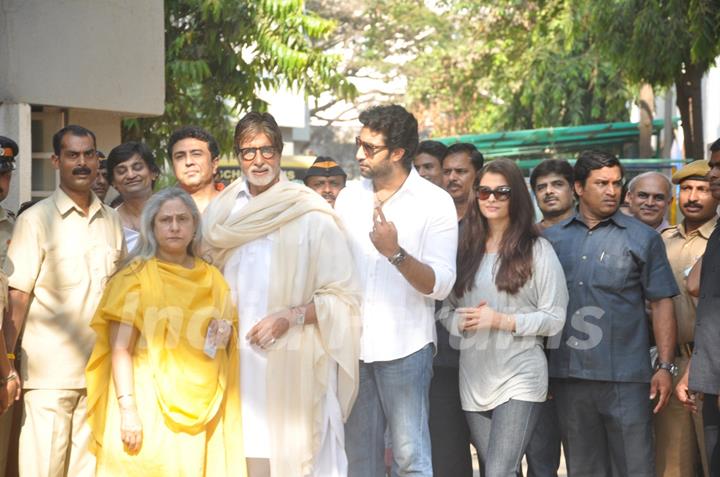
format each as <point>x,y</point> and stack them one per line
<point>147,245</point>
<point>633,182</point>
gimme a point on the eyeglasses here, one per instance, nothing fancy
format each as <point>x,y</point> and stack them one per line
<point>248,153</point>
<point>502,193</point>
<point>369,149</point>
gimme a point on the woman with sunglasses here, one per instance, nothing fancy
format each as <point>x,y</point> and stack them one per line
<point>510,293</point>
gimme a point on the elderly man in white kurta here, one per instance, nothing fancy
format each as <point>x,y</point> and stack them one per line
<point>290,270</point>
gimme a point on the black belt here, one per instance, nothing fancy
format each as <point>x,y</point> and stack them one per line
<point>685,349</point>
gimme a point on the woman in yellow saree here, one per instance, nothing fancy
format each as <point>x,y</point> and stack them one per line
<point>163,391</point>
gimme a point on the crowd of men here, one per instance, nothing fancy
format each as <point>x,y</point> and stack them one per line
<point>624,399</point>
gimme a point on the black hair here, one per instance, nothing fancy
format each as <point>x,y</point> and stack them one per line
<point>476,157</point>
<point>715,147</point>
<point>194,132</point>
<point>589,161</point>
<point>254,123</point>
<point>74,130</point>
<point>126,151</point>
<point>552,166</point>
<point>100,154</point>
<point>397,125</point>
<point>435,149</point>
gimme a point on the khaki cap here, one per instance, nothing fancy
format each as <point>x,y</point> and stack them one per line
<point>698,170</point>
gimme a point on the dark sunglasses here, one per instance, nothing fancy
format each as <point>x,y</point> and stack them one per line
<point>502,193</point>
<point>248,153</point>
<point>369,149</point>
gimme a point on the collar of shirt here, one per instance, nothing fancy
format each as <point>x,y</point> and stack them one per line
<point>618,218</point>
<point>407,187</point>
<point>64,204</point>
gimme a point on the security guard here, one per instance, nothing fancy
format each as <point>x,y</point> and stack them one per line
<point>326,177</point>
<point>8,151</point>
<point>679,438</point>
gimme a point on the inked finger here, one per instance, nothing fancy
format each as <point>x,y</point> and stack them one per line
<point>381,215</point>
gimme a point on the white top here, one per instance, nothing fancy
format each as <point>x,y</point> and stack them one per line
<point>497,365</point>
<point>397,319</point>
<point>247,272</point>
<point>131,237</point>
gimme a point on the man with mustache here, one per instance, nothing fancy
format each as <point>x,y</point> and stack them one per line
<point>703,374</point>
<point>551,182</point>
<point>449,431</point>
<point>678,434</point>
<point>459,166</point>
<point>649,195</point>
<point>601,375</point>
<point>62,251</point>
<point>281,248</point>
<point>195,156</point>
<point>326,178</point>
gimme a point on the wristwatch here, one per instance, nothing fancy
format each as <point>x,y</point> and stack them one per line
<point>398,257</point>
<point>669,367</point>
<point>299,313</point>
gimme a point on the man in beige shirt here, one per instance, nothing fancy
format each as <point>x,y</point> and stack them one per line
<point>62,251</point>
<point>679,434</point>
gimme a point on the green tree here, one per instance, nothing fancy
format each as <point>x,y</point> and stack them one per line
<point>511,64</point>
<point>219,53</point>
<point>661,42</point>
<point>487,65</point>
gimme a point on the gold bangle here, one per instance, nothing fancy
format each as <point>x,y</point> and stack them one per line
<point>124,396</point>
<point>11,355</point>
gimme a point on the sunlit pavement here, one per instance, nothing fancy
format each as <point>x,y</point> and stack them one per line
<point>562,472</point>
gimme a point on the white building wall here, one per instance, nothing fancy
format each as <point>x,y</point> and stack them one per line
<point>92,54</point>
<point>711,105</point>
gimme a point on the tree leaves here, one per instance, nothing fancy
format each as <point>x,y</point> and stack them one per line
<point>220,53</point>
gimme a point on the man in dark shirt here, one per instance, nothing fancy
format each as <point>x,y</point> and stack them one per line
<point>603,379</point>
<point>449,432</point>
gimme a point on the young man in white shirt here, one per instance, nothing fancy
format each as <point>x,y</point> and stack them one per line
<point>403,236</point>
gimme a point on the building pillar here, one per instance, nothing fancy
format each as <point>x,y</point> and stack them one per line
<point>15,123</point>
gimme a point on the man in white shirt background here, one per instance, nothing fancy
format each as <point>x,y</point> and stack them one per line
<point>403,236</point>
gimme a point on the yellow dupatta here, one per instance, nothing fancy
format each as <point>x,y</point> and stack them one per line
<point>171,306</point>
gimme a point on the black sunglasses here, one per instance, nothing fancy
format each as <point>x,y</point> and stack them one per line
<point>369,149</point>
<point>502,193</point>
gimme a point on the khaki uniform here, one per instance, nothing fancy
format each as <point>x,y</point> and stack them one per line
<point>62,258</point>
<point>679,434</point>
<point>7,221</point>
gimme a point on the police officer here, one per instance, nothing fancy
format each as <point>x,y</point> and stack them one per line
<point>326,177</point>
<point>8,151</point>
